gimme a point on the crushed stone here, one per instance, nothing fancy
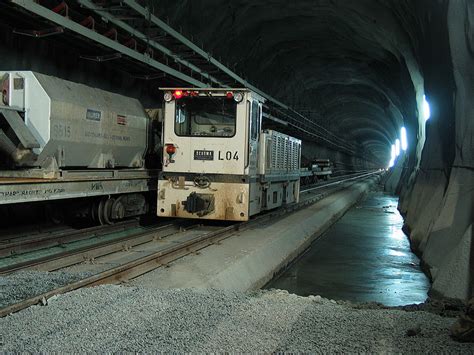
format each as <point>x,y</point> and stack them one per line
<point>138,319</point>
<point>18,286</point>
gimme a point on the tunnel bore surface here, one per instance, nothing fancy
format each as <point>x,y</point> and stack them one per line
<point>364,257</point>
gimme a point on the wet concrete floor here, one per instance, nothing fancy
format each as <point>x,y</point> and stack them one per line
<point>364,257</point>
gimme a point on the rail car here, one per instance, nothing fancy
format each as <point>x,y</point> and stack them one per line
<point>218,163</point>
<point>318,169</point>
<point>64,141</point>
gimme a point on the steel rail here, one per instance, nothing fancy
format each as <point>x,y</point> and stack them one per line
<point>343,180</point>
<point>131,269</point>
<point>90,252</point>
<point>56,238</point>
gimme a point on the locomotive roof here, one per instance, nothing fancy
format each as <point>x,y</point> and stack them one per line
<point>206,89</point>
<point>219,90</point>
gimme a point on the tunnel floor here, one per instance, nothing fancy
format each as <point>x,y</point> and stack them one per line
<point>364,257</point>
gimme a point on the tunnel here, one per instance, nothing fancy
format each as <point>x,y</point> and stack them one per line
<point>362,70</point>
<point>369,84</point>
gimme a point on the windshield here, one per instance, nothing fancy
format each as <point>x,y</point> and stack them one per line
<point>205,116</point>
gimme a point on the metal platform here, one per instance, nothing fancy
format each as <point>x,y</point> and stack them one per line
<point>30,186</point>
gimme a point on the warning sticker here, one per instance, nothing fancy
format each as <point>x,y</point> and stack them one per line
<point>121,120</point>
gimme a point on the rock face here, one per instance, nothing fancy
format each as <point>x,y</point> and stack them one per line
<point>361,69</point>
<point>438,201</point>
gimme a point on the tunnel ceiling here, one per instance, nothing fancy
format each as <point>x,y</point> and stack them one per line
<point>350,65</point>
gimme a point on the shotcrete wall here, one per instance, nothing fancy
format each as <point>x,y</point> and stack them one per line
<point>437,200</point>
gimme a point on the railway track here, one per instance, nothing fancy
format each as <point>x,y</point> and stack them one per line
<point>96,249</point>
<point>335,181</point>
<point>27,243</point>
<point>158,247</point>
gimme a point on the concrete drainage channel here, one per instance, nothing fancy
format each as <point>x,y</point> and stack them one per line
<point>174,242</point>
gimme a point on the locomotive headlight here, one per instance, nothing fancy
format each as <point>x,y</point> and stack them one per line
<point>168,96</point>
<point>238,97</point>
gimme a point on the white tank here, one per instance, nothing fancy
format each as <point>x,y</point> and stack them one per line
<point>52,123</point>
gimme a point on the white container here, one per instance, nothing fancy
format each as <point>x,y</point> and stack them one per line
<point>75,126</point>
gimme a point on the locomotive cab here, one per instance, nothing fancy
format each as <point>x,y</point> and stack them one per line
<point>206,153</point>
<point>211,151</point>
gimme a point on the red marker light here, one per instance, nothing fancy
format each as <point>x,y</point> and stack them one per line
<point>178,94</point>
<point>229,95</point>
<point>170,149</point>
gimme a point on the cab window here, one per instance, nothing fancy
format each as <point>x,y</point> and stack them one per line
<point>255,121</point>
<point>205,117</point>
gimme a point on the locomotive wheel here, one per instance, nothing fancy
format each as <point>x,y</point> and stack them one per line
<point>107,211</point>
<point>100,212</point>
<point>94,209</point>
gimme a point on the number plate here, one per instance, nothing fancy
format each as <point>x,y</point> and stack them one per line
<point>203,155</point>
<point>93,115</point>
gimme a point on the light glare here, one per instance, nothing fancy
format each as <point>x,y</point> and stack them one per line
<point>403,136</point>
<point>393,156</point>
<point>397,147</point>
<point>426,109</point>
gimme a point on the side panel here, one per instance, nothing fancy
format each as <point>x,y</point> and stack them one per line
<point>255,203</point>
<point>31,98</point>
<point>274,195</point>
<point>11,193</point>
<point>280,154</point>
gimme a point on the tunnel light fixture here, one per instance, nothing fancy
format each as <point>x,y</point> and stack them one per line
<point>403,137</point>
<point>397,147</point>
<point>426,109</point>
<point>393,157</point>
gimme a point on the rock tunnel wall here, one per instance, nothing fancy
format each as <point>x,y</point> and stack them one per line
<point>437,199</point>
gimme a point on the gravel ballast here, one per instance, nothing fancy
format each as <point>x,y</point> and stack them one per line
<point>19,286</point>
<point>118,318</point>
